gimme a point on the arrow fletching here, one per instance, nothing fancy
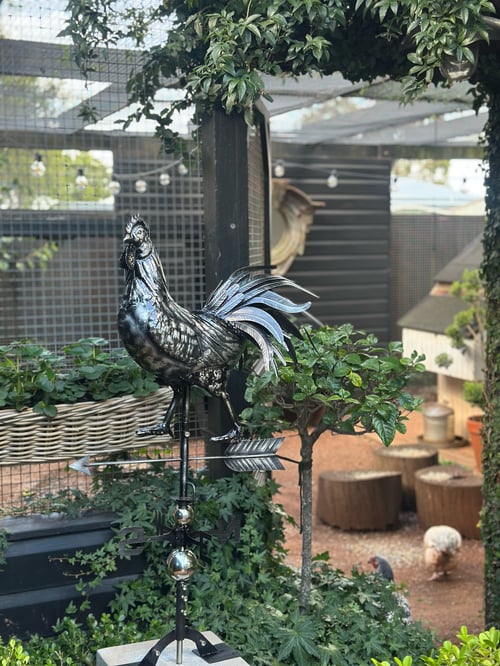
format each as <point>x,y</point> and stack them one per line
<point>250,455</point>
<point>81,465</point>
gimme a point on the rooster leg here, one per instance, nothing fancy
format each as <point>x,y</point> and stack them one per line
<point>163,428</point>
<point>233,435</point>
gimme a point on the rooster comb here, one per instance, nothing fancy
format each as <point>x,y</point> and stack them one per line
<point>135,220</point>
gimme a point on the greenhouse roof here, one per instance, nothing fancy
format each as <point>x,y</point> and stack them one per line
<point>306,110</point>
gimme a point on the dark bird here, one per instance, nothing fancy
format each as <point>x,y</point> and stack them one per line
<point>382,567</point>
<point>384,570</point>
<point>185,348</point>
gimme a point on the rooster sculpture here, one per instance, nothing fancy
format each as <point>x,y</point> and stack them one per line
<point>185,348</point>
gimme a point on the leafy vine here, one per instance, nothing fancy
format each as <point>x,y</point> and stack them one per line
<point>218,52</point>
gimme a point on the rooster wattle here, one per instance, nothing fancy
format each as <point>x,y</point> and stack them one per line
<point>185,348</point>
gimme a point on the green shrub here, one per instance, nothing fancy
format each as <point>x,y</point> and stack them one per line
<point>13,654</point>
<point>482,650</point>
<point>32,376</point>
<point>242,590</point>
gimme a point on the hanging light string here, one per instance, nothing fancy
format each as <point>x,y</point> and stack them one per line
<point>38,170</point>
<point>151,172</point>
<point>332,175</point>
<point>141,184</point>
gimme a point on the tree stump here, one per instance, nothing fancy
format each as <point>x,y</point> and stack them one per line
<point>407,459</point>
<point>359,500</point>
<point>449,495</point>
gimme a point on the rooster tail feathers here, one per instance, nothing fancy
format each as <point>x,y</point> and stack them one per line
<point>267,350</point>
<point>261,318</point>
<point>243,285</point>
<point>248,301</point>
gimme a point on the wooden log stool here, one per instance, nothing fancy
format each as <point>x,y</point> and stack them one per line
<point>449,495</point>
<point>407,459</point>
<point>359,500</point>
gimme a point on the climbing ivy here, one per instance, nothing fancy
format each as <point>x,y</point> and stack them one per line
<point>490,525</point>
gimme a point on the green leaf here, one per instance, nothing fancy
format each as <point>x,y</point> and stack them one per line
<point>385,430</point>
<point>355,379</point>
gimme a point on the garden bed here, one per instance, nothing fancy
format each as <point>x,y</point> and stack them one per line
<point>445,605</point>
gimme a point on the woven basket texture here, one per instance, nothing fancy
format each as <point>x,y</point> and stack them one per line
<point>83,428</point>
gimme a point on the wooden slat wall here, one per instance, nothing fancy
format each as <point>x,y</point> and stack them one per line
<point>347,256</point>
<point>421,245</point>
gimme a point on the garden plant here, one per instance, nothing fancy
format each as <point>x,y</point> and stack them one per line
<point>351,383</point>
<point>35,377</point>
<point>243,590</point>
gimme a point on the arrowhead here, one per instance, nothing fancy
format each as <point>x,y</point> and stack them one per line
<point>81,465</point>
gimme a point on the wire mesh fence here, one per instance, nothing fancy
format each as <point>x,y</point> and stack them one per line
<point>67,188</point>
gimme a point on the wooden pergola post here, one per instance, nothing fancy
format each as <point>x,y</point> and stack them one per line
<point>225,164</point>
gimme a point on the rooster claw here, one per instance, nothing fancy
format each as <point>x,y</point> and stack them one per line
<point>158,429</point>
<point>233,436</point>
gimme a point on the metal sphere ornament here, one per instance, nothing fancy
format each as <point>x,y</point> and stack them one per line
<point>181,564</point>
<point>183,515</point>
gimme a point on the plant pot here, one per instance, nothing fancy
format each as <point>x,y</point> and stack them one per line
<point>474,427</point>
<point>37,581</point>
<point>84,428</point>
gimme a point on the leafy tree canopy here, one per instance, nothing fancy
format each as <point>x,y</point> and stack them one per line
<point>218,51</point>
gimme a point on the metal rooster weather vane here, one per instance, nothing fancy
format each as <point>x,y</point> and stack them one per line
<point>186,349</point>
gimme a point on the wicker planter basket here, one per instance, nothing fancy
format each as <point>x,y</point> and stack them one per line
<point>79,429</point>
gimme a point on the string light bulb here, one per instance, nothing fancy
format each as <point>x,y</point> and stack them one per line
<point>81,180</point>
<point>37,167</point>
<point>279,169</point>
<point>140,186</point>
<point>164,179</point>
<point>332,180</point>
<point>114,186</point>
<point>182,169</point>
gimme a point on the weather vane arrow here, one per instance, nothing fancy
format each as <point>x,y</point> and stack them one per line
<point>247,455</point>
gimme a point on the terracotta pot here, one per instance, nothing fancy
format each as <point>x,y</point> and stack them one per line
<point>474,425</point>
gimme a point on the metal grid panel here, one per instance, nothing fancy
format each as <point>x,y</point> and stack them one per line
<point>257,197</point>
<point>75,292</point>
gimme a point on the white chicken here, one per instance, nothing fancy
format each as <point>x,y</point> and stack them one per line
<point>442,545</point>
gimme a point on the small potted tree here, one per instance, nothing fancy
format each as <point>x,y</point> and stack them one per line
<point>467,333</point>
<point>350,383</point>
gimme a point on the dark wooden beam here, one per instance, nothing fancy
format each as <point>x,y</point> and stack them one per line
<point>225,188</point>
